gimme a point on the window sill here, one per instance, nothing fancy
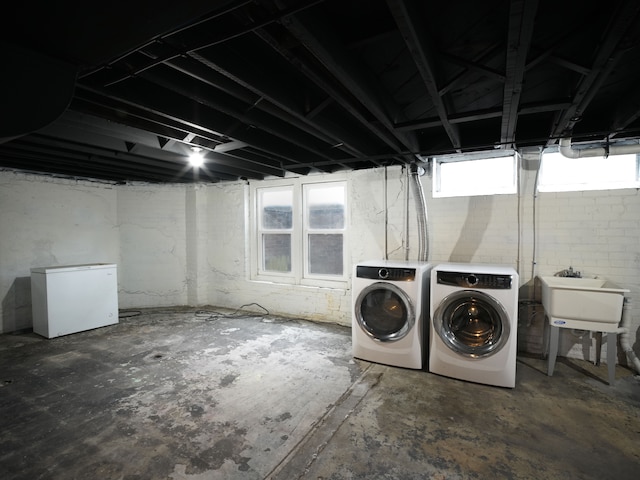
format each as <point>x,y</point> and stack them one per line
<point>307,283</point>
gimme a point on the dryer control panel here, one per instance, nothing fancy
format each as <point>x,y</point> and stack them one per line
<point>395,274</point>
<point>475,280</point>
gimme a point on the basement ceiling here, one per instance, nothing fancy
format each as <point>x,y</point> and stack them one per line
<point>121,91</point>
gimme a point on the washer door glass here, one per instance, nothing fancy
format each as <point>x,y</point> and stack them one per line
<point>472,323</point>
<point>384,312</point>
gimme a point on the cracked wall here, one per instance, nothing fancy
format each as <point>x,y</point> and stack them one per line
<point>47,221</point>
<point>188,244</point>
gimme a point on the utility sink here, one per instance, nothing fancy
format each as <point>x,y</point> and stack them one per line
<point>574,302</point>
<point>583,304</point>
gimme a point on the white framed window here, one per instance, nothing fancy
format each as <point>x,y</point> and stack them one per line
<point>475,174</point>
<point>275,229</point>
<point>299,232</point>
<point>561,174</point>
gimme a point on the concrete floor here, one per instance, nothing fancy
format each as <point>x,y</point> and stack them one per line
<point>185,394</point>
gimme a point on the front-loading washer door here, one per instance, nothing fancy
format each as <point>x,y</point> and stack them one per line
<point>385,312</point>
<point>472,323</point>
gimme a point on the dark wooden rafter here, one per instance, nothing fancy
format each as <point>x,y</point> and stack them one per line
<point>89,158</point>
<point>408,19</point>
<point>169,132</point>
<point>476,64</point>
<point>253,94</point>
<point>347,69</point>
<point>136,154</point>
<point>270,101</point>
<point>475,115</point>
<point>351,142</point>
<point>199,44</point>
<point>273,87</point>
<point>274,125</point>
<point>189,116</point>
<point>174,54</point>
<point>333,93</point>
<point>522,15</point>
<point>628,112</point>
<point>605,59</point>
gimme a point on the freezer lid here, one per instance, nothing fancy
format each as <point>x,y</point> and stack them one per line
<point>72,268</point>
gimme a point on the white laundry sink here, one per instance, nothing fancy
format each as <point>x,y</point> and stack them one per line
<point>573,302</point>
<point>584,304</point>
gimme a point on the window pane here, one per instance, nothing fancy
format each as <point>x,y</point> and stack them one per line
<point>325,254</point>
<point>276,252</point>
<point>485,176</point>
<point>325,206</point>
<point>559,173</point>
<point>277,209</point>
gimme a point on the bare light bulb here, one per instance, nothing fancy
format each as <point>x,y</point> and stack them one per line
<point>196,159</point>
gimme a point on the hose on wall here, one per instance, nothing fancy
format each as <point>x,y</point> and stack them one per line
<point>421,212</point>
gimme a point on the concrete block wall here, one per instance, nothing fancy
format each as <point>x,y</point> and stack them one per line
<point>598,234</point>
<point>189,244</point>
<point>49,221</point>
<point>153,245</point>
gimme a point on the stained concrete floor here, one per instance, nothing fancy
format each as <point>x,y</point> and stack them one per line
<point>186,394</point>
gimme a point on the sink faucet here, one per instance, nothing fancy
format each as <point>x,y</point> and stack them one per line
<point>569,272</point>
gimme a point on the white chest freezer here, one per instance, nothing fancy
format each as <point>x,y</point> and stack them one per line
<point>73,298</point>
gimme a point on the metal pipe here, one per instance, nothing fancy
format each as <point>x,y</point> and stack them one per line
<point>421,213</point>
<point>565,148</point>
<point>624,337</point>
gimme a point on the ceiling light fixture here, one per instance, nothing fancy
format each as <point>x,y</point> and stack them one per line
<point>196,158</point>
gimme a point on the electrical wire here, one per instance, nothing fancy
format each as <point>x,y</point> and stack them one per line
<point>216,315</point>
<point>386,216</point>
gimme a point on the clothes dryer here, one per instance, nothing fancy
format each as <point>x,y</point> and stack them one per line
<point>390,312</point>
<point>473,333</point>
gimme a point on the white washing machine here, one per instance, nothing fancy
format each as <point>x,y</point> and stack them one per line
<point>390,312</point>
<point>473,333</point>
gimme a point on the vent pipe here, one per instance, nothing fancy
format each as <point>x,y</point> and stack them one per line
<point>568,151</point>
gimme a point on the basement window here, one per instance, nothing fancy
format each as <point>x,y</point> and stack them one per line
<point>561,174</point>
<point>475,174</point>
<point>299,232</point>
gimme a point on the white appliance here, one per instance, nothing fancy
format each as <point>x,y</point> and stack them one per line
<point>473,333</point>
<point>390,305</point>
<point>74,298</point>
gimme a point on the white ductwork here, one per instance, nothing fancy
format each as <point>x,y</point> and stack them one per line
<point>568,151</point>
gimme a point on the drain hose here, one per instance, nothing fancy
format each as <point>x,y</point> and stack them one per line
<point>632,359</point>
<point>421,211</point>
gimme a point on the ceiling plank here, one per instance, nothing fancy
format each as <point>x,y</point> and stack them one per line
<point>605,59</point>
<point>333,93</point>
<point>522,14</point>
<point>413,31</point>
<point>164,103</point>
<point>324,45</point>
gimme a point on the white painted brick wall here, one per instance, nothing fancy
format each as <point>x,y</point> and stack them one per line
<point>47,221</point>
<point>178,245</point>
<point>153,258</point>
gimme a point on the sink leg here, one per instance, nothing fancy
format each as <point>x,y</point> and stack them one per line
<point>554,334</point>
<point>598,347</point>
<point>545,337</point>
<point>611,356</point>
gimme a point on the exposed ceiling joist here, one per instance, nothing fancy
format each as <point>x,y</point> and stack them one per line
<point>522,14</point>
<point>415,35</point>
<point>269,88</point>
<point>605,60</point>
